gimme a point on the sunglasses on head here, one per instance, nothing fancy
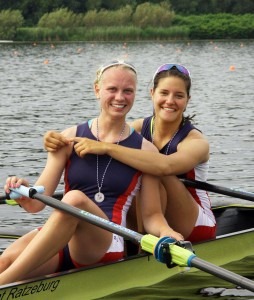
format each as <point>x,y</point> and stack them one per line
<point>117,63</point>
<point>168,67</point>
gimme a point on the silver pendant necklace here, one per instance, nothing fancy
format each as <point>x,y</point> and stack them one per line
<point>169,143</point>
<point>99,197</point>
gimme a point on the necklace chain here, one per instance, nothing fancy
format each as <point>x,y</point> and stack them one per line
<point>99,197</point>
<point>169,143</point>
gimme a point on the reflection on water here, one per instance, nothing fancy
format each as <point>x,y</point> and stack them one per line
<point>45,87</point>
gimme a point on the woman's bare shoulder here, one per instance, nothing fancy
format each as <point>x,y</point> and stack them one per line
<point>196,134</point>
<point>69,132</point>
<point>137,124</point>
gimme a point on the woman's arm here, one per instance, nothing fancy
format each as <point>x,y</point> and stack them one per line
<point>54,140</point>
<point>194,149</point>
<point>56,161</point>
<point>49,178</point>
<point>190,152</point>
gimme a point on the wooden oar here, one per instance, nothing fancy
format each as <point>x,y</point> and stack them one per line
<point>161,248</point>
<point>218,189</point>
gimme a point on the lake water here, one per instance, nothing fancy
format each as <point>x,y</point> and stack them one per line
<point>49,86</point>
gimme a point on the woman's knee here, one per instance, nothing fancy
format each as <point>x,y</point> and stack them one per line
<point>75,198</point>
<point>5,262</point>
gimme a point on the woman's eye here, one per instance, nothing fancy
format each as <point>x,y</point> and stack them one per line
<point>129,92</point>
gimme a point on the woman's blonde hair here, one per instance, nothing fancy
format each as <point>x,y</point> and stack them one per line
<point>114,63</point>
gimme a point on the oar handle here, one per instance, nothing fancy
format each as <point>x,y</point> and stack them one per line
<point>25,191</point>
<point>57,194</point>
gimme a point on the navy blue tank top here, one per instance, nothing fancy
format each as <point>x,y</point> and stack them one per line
<point>147,131</point>
<point>120,184</point>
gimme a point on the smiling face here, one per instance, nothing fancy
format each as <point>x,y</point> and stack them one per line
<point>116,90</point>
<point>170,98</point>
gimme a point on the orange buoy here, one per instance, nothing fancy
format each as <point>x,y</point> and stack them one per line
<point>232,68</point>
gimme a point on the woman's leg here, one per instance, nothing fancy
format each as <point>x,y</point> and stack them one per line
<point>131,218</point>
<point>87,242</point>
<point>181,209</point>
<point>13,251</point>
<point>134,218</point>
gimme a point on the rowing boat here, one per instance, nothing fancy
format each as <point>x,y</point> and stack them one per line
<point>235,227</point>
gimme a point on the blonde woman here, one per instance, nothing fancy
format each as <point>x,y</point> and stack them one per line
<point>95,183</point>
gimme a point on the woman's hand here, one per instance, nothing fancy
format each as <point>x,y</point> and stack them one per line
<point>84,146</point>
<point>173,234</point>
<point>29,204</point>
<point>14,182</point>
<point>54,140</point>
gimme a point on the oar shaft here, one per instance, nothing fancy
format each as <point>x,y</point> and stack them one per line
<point>218,189</point>
<point>223,273</point>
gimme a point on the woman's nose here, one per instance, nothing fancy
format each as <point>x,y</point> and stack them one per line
<point>119,95</point>
<point>170,98</point>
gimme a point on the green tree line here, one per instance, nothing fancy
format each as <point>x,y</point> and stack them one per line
<point>33,10</point>
<point>145,21</point>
